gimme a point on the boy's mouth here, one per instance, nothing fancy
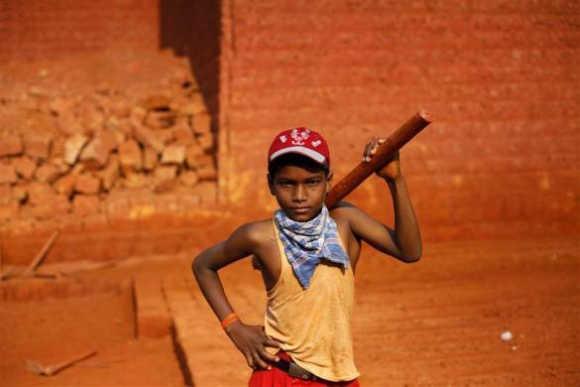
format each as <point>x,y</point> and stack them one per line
<point>300,210</point>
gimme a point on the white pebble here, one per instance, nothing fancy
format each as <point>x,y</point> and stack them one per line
<point>506,336</point>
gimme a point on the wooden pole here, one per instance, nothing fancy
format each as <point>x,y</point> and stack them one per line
<point>382,156</point>
<point>41,254</point>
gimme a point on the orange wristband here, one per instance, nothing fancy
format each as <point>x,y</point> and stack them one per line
<point>229,320</point>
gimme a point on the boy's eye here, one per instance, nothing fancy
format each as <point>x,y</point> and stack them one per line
<point>313,182</point>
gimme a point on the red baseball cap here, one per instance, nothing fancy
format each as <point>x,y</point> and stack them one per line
<point>302,141</point>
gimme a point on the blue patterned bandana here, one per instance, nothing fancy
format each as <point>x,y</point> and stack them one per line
<point>307,243</point>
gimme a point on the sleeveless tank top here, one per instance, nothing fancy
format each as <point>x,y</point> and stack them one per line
<point>313,325</point>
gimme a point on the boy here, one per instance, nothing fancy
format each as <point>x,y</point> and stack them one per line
<point>307,255</point>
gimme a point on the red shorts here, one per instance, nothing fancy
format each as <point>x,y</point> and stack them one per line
<point>278,378</point>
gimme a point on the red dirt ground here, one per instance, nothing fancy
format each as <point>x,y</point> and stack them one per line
<point>436,322</point>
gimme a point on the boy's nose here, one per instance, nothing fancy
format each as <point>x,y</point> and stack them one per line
<point>300,193</point>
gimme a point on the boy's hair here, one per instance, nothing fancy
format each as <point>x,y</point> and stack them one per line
<point>297,160</point>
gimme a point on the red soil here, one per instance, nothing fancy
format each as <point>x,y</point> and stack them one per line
<point>437,322</point>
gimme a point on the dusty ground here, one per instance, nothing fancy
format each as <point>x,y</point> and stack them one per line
<point>437,322</point>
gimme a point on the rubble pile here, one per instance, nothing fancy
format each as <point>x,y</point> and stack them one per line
<point>101,151</point>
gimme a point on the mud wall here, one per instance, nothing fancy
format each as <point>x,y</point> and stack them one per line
<point>44,29</point>
<point>499,77</point>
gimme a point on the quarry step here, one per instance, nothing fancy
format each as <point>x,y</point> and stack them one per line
<point>198,331</point>
<point>153,318</point>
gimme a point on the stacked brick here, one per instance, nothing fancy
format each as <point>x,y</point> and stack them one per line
<point>79,154</point>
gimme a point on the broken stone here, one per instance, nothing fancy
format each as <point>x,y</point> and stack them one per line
<point>24,167</point>
<point>202,123</point>
<point>207,173</point>
<point>192,153</point>
<point>135,180</point>
<point>87,184</point>
<point>68,124</point>
<point>173,154</point>
<point>11,145</point>
<point>126,127</point>
<point>166,136</point>
<point>5,193</point>
<point>47,173</point>
<point>20,193</point>
<point>206,190</point>
<point>155,102</point>
<point>38,146</point>
<point>65,185</point>
<point>90,117</point>
<point>150,159</point>
<point>86,204</point>
<point>190,106</point>
<point>97,152</point>
<point>160,119</point>
<point>73,147</point>
<point>206,141</point>
<point>9,211</point>
<point>188,178</point>
<point>166,172</point>
<point>61,165</point>
<point>204,160</point>
<point>54,205</point>
<point>7,174</point>
<point>138,114</point>
<point>60,105</point>
<point>165,186</point>
<point>39,193</point>
<point>130,156</point>
<point>119,137</point>
<point>182,133</point>
<point>111,173</point>
<point>147,137</point>
<point>58,147</point>
<point>120,109</point>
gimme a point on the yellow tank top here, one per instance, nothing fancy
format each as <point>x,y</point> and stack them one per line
<point>313,325</point>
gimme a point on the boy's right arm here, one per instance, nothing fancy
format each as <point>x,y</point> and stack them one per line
<point>250,340</point>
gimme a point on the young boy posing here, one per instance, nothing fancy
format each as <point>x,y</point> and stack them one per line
<point>307,255</point>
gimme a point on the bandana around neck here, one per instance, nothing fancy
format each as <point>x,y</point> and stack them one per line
<point>307,243</point>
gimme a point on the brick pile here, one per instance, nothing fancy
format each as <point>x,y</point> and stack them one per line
<point>102,150</point>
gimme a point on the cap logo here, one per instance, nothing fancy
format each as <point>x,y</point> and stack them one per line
<point>283,138</point>
<point>298,137</point>
<point>316,143</point>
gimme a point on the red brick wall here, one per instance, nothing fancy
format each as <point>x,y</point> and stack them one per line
<point>500,78</point>
<point>49,29</point>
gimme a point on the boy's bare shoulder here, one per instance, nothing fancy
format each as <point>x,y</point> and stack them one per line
<point>256,232</point>
<point>344,211</point>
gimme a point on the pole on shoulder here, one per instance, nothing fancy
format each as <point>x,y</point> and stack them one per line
<point>384,153</point>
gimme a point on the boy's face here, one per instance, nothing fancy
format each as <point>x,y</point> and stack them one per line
<point>300,192</point>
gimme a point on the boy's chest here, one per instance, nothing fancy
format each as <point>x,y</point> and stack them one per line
<point>271,253</point>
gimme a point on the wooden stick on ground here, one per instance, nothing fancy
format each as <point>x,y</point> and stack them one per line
<point>1,255</point>
<point>39,369</point>
<point>41,254</point>
<point>384,153</point>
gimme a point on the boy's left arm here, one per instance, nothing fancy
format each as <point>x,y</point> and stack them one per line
<point>402,242</point>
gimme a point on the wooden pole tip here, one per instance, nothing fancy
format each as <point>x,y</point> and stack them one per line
<point>424,114</point>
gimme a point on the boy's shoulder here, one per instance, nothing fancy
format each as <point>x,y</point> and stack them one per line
<point>344,211</point>
<point>258,231</point>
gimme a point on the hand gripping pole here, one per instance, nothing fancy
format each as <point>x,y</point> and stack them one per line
<point>382,156</point>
